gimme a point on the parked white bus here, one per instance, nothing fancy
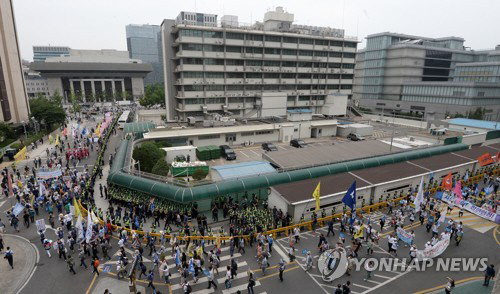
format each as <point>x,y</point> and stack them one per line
<point>123,119</point>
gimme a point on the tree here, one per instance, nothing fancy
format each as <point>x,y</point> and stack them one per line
<point>148,155</point>
<point>199,174</point>
<point>6,131</point>
<point>47,111</point>
<point>75,104</point>
<point>56,97</point>
<point>153,95</point>
<point>161,167</point>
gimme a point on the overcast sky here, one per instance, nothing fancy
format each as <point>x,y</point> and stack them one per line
<point>100,24</point>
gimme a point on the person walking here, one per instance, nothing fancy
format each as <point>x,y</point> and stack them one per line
<point>150,278</point>
<point>488,274</point>
<point>309,261</point>
<point>81,255</point>
<point>9,255</point>
<point>449,286</point>
<point>263,264</point>
<point>70,263</point>
<point>281,269</point>
<point>251,282</point>
<point>227,282</point>
<point>234,268</point>
<point>95,264</point>
<point>369,270</point>
<point>210,278</point>
<point>330,228</point>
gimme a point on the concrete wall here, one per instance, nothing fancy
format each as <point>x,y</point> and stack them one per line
<point>55,84</point>
<point>398,121</point>
<point>153,115</point>
<point>240,140</point>
<point>137,88</point>
<point>370,192</point>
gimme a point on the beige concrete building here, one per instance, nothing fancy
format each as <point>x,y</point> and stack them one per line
<point>13,100</point>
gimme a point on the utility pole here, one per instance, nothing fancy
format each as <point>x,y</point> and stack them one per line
<point>393,126</point>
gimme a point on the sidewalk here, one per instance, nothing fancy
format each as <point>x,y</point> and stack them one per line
<point>26,257</point>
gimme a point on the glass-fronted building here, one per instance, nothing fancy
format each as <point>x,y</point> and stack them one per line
<point>143,42</point>
<point>404,73</point>
<point>40,53</point>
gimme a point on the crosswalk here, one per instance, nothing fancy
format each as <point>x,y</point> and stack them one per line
<point>239,283</point>
<point>472,221</point>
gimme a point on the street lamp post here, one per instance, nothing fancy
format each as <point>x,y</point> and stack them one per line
<point>393,126</point>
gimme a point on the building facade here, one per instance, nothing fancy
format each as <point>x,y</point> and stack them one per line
<point>13,101</point>
<point>438,77</point>
<point>94,75</point>
<point>40,53</point>
<point>143,43</point>
<point>255,71</point>
<point>35,83</point>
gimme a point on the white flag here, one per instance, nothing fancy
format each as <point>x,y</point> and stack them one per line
<point>79,227</point>
<point>442,218</point>
<point>88,234</point>
<point>42,188</point>
<point>420,195</point>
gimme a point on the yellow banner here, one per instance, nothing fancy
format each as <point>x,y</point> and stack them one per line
<point>316,195</point>
<point>360,233</point>
<point>98,130</point>
<point>57,139</point>
<point>51,139</point>
<point>77,208</point>
<point>21,155</point>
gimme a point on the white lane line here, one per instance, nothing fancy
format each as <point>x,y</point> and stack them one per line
<point>356,176</point>
<point>375,282</point>
<point>418,165</point>
<point>282,147</point>
<point>380,276</point>
<point>360,286</point>
<point>203,291</point>
<point>243,153</point>
<point>255,152</point>
<point>386,282</point>
<point>239,288</point>
<point>281,253</point>
<point>317,283</point>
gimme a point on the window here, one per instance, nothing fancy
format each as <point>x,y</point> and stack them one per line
<point>306,41</point>
<point>289,64</point>
<point>193,88</point>
<point>288,76</point>
<point>234,87</point>
<point>193,101</point>
<point>216,100</point>
<point>213,48</point>
<point>235,75</point>
<point>255,37</point>
<point>271,63</point>
<point>272,51</point>
<point>253,75</point>
<point>206,137</point>
<point>235,99</point>
<point>336,43</point>
<point>254,62</point>
<point>271,75</point>
<point>321,42</point>
<point>253,87</point>
<point>235,49</point>
<point>346,87</point>
<point>305,64</point>
<point>192,47</point>
<point>336,54</point>
<point>212,34</point>
<point>190,33</point>
<point>320,53</point>
<point>289,52</point>
<point>263,132</point>
<point>289,40</point>
<point>246,134</point>
<point>234,61</point>
<point>214,75</point>
<point>236,36</point>
<point>214,88</point>
<point>193,74</point>
<point>347,65</point>
<point>272,38</point>
<point>210,61</point>
<point>305,53</point>
<point>192,61</point>
<point>304,98</point>
<point>349,55</point>
<point>255,50</point>
<point>350,44</point>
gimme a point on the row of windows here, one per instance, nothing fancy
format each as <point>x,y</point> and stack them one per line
<point>268,38</point>
<point>211,61</point>
<point>206,137</point>
<point>253,75</point>
<point>260,50</point>
<point>199,88</point>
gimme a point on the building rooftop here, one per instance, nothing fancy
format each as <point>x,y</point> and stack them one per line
<point>52,67</point>
<point>474,123</point>
<point>244,169</point>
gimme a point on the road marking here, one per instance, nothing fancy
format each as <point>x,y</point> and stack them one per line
<point>418,165</point>
<point>239,288</point>
<point>275,274</point>
<point>255,152</point>
<point>456,283</point>
<point>244,154</point>
<point>356,176</point>
<point>91,284</point>
<point>380,276</point>
<point>282,147</point>
<point>281,253</point>
<point>203,291</point>
<point>360,286</point>
<point>375,282</point>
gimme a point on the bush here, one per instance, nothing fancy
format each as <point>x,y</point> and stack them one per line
<point>163,143</point>
<point>148,154</point>
<point>161,167</point>
<point>17,146</point>
<point>199,174</point>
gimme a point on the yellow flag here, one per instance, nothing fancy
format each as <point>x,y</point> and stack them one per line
<point>50,139</point>
<point>57,139</point>
<point>21,155</point>
<point>316,195</point>
<point>77,208</point>
<point>360,233</point>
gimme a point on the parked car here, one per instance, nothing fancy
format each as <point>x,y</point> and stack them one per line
<point>227,152</point>
<point>298,143</point>
<point>355,137</point>
<point>269,147</point>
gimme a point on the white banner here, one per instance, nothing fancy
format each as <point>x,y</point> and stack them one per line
<point>484,213</point>
<point>435,250</point>
<point>40,225</point>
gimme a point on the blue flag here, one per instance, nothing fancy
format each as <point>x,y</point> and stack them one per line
<point>350,197</point>
<point>84,132</point>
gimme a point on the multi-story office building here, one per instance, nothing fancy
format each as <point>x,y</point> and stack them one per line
<point>94,75</point>
<point>35,83</point>
<point>257,70</point>
<point>143,42</point>
<point>197,19</point>
<point>40,53</point>
<point>441,77</point>
<point>13,100</point>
